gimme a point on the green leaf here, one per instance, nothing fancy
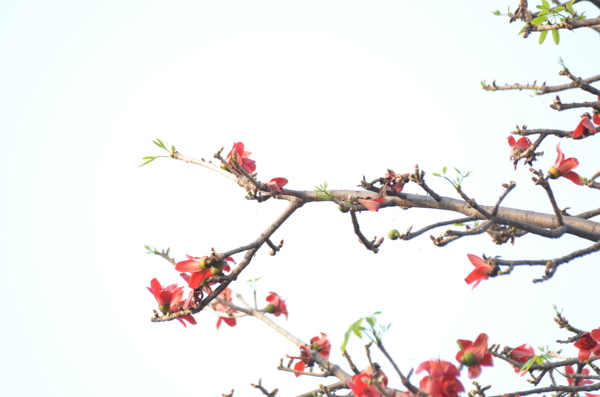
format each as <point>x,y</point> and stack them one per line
<point>545,4</point>
<point>539,20</point>
<point>444,170</point>
<point>371,320</point>
<point>436,174</point>
<point>172,149</point>
<point>496,12</point>
<point>458,224</point>
<point>151,159</point>
<point>569,7</point>
<point>558,9</point>
<point>543,36</point>
<point>544,12</point>
<point>556,36</point>
<point>159,143</point>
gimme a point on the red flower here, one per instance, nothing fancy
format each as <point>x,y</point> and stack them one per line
<point>587,344</point>
<point>277,184</point>
<point>522,354</point>
<point>517,147</point>
<point>442,380</point>
<point>564,168</point>
<point>241,157</point>
<point>276,305</point>
<point>184,304</point>
<point>201,269</point>
<point>522,144</point>
<point>582,382</point>
<point>473,355</point>
<point>219,307</point>
<point>363,384</point>
<point>165,296</point>
<point>321,345</point>
<point>371,204</point>
<point>585,127</point>
<point>596,117</point>
<point>481,271</point>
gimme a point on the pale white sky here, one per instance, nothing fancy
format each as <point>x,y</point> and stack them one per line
<point>318,91</point>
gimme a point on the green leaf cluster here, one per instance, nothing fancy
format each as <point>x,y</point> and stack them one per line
<point>552,16</point>
<point>374,331</point>
<point>322,192</point>
<point>162,145</point>
<point>458,179</point>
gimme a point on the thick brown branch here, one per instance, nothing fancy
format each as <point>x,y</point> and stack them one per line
<point>569,24</point>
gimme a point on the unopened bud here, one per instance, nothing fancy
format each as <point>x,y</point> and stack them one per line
<point>380,241</point>
<point>272,253</point>
<point>534,179</point>
<point>468,359</point>
<point>504,185</point>
<point>393,234</point>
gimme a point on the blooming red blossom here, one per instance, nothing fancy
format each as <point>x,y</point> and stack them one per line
<point>320,344</point>
<point>276,305</point>
<point>522,354</point>
<point>241,157</point>
<point>371,204</point>
<point>564,168</point>
<point>517,147</point>
<point>585,127</point>
<point>582,382</point>
<point>277,184</point>
<point>474,354</point>
<point>481,271</point>
<point>165,296</point>
<point>184,305</point>
<point>201,269</point>
<point>363,384</point>
<point>587,345</point>
<point>219,307</point>
<point>442,380</point>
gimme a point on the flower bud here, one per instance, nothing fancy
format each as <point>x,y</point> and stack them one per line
<point>215,271</point>
<point>204,263</point>
<point>394,234</point>
<point>270,308</point>
<point>468,359</point>
<point>342,209</point>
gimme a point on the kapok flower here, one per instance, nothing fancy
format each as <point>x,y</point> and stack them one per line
<point>565,168</point>
<point>276,305</point>
<point>522,354</point>
<point>395,182</point>
<point>241,157</point>
<point>202,268</point>
<point>442,380</point>
<point>474,355</point>
<point>481,272</point>
<point>320,344</point>
<point>371,204</point>
<point>277,184</point>
<point>582,382</point>
<point>517,147</point>
<point>364,385</point>
<point>585,127</point>
<point>219,307</point>
<point>184,305</point>
<point>587,345</point>
<point>165,296</point>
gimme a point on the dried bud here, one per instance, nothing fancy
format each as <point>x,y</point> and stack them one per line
<point>534,179</point>
<point>505,185</point>
<point>380,241</point>
<point>281,244</point>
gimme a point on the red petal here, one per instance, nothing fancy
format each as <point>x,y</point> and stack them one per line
<point>474,371</point>
<point>568,165</point>
<point>478,274</point>
<point>479,347</point>
<point>156,287</point>
<point>583,354</point>
<point>523,143</point>
<point>573,177</point>
<point>189,266</point>
<point>596,119</point>
<point>477,261</point>
<point>299,367</point>
<point>588,124</point>
<point>560,157</point>
<point>595,334</point>
<point>371,205</point>
<point>578,130</point>
<point>511,141</point>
